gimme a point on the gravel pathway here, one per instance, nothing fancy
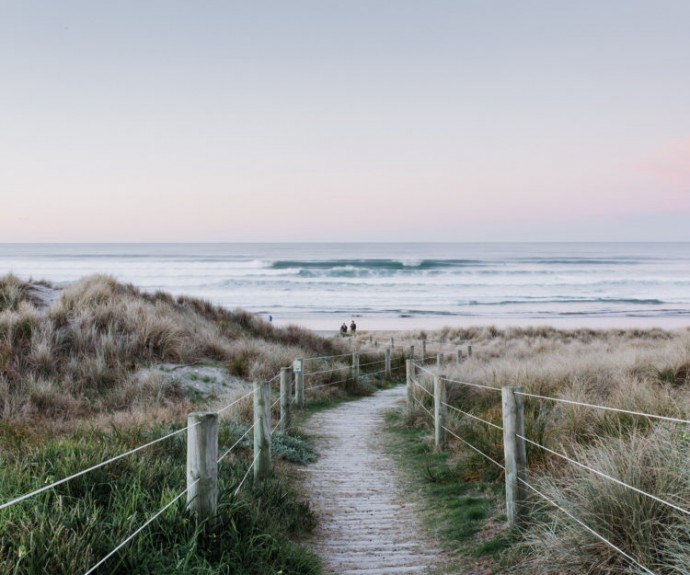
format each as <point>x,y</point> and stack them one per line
<point>367,525</point>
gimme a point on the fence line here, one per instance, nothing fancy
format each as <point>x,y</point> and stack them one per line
<point>256,456</point>
<point>245,396</point>
<point>329,384</point>
<point>478,385</point>
<point>420,386</point>
<point>422,368</point>
<point>465,442</point>
<point>473,416</point>
<point>144,526</point>
<point>327,357</point>
<point>236,443</point>
<point>92,468</point>
<point>589,529</point>
<point>468,444</point>
<point>371,363</point>
<point>518,473</point>
<point>605,476</point>
<point>215,415</point>
<point>607,408</point>
<point>326,371</point>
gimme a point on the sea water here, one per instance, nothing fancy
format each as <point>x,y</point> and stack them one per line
<point>395,285</point>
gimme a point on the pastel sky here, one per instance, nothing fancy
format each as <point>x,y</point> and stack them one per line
<point>348,120</point>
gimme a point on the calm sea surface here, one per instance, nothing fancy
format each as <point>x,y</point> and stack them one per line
<point>396,286</point>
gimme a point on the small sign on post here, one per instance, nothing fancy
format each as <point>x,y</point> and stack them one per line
<point>298,370</point>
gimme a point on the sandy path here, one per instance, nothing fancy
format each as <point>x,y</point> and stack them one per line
<point>366,523</point>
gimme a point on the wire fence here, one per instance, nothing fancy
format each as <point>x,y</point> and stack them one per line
<point>362,371</point>
<point>663,499</point>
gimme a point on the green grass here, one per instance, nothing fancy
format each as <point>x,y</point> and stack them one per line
<point>71,527</point>
<point>456,510</point>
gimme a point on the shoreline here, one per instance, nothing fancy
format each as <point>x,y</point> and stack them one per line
<point>331,326</point>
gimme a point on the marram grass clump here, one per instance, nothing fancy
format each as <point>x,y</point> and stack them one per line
<point>78,356</point>
<point>635,370</point>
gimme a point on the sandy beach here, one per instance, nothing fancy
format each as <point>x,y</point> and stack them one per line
<point>329,327</point>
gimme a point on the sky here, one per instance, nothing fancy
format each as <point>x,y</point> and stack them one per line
<point>349,120</point>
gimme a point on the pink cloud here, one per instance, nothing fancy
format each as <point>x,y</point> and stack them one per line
<point>671,164</point>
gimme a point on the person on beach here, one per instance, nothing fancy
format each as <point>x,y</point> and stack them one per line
<point>353,327</point>
<point>343,329</point>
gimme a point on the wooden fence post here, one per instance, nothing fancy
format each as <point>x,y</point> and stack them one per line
<point>285,415</point>
<point>392,342</point>
<point>440,413</point>
<point>515,453</point>
<point>412,352</point>
<point>423,351</point>
<point>439,360</point>
<point>469,351</point>
<point>298,370</point>
<point>387,363</point>
<point>459,356</point>
<point>262,430</point>
<point>355,366</point>
<point>202,464</point>
<point>409,375</point>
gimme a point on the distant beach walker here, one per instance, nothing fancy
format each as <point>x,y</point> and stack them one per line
<point>395,286</point>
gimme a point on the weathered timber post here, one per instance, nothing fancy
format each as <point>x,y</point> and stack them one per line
<point>387,363</point>
<point>370,339</point>
<point>412,352</point>
<point>202,464</point>
<point>409,371</point>
<point>423,351</point>
<point>440,413</point>
<point>459,356</point>
<point>285,415</point>
<point>392,342</point>
<point>262,431</point>
<point>355,367</point>
<point>515,453</point>
<point>298,370</point>
<point>439,360</point>
<point>469,351</point>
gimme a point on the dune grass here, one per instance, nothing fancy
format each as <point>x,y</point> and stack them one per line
<point>73,526</point>
<point>71,397</point>
<point>78,357</point>
<point>638,370</point>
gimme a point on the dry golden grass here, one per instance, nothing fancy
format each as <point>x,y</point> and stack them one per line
<point>76,359</point>
<point>644,371</point>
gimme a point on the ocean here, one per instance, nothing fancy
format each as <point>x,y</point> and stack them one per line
<point>396,285</point>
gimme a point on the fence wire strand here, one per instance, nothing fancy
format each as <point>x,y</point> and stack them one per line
<point>420,386</point>
<point>422,368</point>
<point>306,374</point>
<point>372,362</point>
<point>604,475</point>
<point>472,416</point>
<point>425,409</point>
<point>587,528</point>
<point>603,407</point>
<point>236,443</point>
<point>245,396</point>
<point>327,384</point>
<point>327,357</point>
<point>94,467</point>
<point>256,456</point>
<point>468,444</point>
<point>479,385</point>
<point>133,535</point>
